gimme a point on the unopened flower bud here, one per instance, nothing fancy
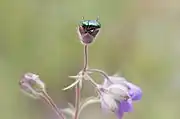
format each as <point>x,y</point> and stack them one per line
<point>32,85</point>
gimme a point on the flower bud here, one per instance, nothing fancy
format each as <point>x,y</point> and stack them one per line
<point>32,85</point>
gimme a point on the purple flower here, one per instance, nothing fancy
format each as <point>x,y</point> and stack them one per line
<point>117,95</point>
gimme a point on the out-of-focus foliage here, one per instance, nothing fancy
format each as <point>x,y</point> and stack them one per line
<point>140,39</point>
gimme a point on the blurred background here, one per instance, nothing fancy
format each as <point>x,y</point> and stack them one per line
<point>139,39</point>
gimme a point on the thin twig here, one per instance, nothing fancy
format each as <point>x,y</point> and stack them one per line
<point>50,102</point>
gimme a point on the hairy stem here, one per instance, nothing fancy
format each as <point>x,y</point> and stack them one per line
<point>78,88</point>
<point>49,101</point>
<point>90,100</point>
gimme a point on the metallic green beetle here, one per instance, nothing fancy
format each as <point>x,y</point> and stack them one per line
<point>88,30</point>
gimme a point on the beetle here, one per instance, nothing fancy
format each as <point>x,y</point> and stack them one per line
<point>88,30</point>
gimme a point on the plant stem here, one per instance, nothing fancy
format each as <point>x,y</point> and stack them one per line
<point>50,102</point>
<point>101,73</point>
<point>85,58</point>
<point>88,102</point>
<point>78,95</point>
<point>78,88</point>
<point>92,81</point>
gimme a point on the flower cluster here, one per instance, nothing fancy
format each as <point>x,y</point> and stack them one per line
<point>115,94</point>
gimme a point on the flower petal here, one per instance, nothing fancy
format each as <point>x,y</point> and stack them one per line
<point>114,80</point>
<point>118,92</point>
<point>135,91</point>
<point>104,106</point>
<point>108,103</point>
<point>120,113</point>
<point>126,106</point>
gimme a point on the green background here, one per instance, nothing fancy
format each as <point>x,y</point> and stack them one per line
<point>139,39</point>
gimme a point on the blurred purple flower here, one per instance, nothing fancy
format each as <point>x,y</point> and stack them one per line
<point>117,95</point>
